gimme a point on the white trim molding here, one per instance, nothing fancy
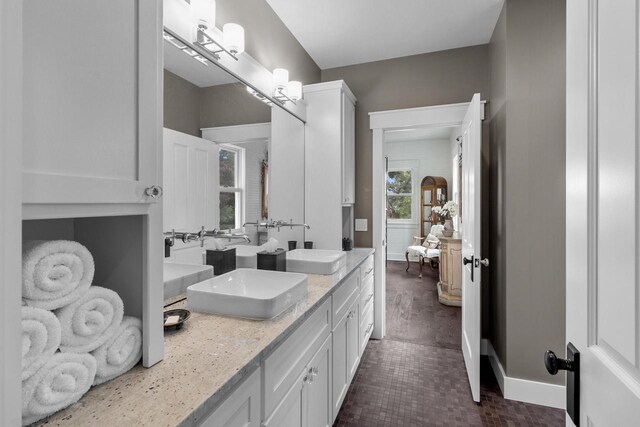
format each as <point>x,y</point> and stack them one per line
<point>522,390</point>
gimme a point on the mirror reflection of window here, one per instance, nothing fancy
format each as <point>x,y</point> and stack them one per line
<point>230,189</point>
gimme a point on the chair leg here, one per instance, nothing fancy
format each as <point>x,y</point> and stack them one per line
<point>421,262</point>
<point>406,255</point>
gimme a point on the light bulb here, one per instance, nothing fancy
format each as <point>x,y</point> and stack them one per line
<point>233,38</point>
<point>294,90</point>
<point>280,78</point>
<point>203,13</point>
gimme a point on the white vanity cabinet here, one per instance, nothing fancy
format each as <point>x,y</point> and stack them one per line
<point>92,101</point>
<point>241,408</point>
<point>346,342</point>
<point>329,161</point>
<point>282,368</point>
<point>308,402</point>
<point>366,302</point>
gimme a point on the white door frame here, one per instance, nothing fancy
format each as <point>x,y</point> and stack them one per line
<point>10,209</point>
<point>449,115</point>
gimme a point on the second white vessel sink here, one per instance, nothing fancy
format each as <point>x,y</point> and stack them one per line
<point>245,292</point>
<point>315,261</point>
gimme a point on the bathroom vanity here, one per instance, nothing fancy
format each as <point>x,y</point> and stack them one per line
<point>292,370</point>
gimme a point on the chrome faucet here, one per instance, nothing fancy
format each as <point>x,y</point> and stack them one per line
<point>201,236</point>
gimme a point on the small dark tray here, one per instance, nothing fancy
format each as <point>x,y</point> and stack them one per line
<point>184,315</point>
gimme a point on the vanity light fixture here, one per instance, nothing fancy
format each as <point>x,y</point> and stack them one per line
<point>234,33</point>
<point>283,89</point>
<point>203,13</point>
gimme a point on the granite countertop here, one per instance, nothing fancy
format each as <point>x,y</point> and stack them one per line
<point>204,360</point>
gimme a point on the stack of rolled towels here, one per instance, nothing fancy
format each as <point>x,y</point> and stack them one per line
<point>74,335</point>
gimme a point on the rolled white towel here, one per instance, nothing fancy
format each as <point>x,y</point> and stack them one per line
<point>64,379</point>
<point>90,321</point>
<point>121,353</point>
<point>55,273</point>
<point>40,338</point>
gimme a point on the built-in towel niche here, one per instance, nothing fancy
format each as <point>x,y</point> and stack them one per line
<point>116,244</point>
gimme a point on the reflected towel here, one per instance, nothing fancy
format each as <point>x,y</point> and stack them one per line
<point>64,379</point>
<point>121,353</point>
<point>40,338</point>
<point>90,321</point>
<point>55,273</point>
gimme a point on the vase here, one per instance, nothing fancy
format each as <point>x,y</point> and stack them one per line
<point>448,228</point>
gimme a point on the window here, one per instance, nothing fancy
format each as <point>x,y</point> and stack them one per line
<point>231,187</point>
<point>400,195</point>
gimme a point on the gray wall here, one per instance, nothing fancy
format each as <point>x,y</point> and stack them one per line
<point>267,39</point>
<point>527,122</point>
<point>415,81</point>
<point>187,108</point>
<point>181,104</point>
<point>231,104</point>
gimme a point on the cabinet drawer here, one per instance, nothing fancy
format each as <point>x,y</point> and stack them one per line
<point>241,408</point>
<point>366,326</point>
<point>343,297</point>
<point>366,294</point>
<point>283,366</point>
<point>366,269</point>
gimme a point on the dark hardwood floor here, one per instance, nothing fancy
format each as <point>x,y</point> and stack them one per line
<point>416,375</point>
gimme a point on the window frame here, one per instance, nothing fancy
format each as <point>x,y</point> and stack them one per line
<point>412,168</point>
<point>238,190</point>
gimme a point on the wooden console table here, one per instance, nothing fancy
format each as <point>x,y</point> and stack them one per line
<point>450,284</point>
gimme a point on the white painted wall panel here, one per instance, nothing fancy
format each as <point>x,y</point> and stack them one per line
<point>287,175</point>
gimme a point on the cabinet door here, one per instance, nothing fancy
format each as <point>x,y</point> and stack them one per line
<point>292,409</point>
<point>348,151</point>
<point>92,101</point>
<point>241,408</point>
<point>319,391</point>
<point>340,368</point>
<point>353,339</point>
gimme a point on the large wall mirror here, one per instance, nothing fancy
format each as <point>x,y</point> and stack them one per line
<point>244,169</point>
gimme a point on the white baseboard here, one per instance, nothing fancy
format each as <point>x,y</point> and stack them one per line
<point>396,257</point>
<point>536,392</point>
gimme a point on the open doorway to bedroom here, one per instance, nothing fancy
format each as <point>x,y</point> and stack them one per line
<point>423,201</point>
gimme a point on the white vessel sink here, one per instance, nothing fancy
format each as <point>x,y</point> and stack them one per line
<point>256,294</point>
<point>247,256</point>
<point>178,277</point>
<point>315,261</point>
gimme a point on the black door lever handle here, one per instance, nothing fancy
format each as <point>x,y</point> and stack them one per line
<point>466,261</point>
<point>572,365</point>
<point>554,364</point>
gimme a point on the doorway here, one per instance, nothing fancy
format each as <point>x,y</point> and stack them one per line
<point>465,118</point>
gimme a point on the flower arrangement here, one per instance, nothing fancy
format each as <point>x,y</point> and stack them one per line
<point>448,211</point>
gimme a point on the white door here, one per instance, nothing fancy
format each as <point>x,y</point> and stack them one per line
<point>603,210</point>
<point>471,245</point>
<point>92,101</point>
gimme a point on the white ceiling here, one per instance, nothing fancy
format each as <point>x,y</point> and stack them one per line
<point>418,134</point>
<point>345,32</point>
